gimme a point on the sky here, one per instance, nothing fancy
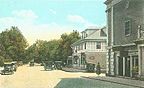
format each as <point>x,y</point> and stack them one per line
<point>48,19</point>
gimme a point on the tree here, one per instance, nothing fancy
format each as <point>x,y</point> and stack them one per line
<point>65,44</point>
<point>13,44</point>
<point>1,60</point>
<point>54,50</point>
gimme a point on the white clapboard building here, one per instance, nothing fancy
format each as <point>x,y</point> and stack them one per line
<point>90,49</point>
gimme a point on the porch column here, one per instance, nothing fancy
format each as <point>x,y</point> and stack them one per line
<point>72,60</point>
<point>131,66</point>
<point>140,61</point>
<point>79,61</point>
<point>123,66</point>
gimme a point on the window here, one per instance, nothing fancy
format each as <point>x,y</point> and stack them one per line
<point>98,45</point>
<point>127,28</point>
<point>85,45</point>
<point>76,49</point>
<point>81,46</point>
<point>86,35</point>
<point>127,5</point>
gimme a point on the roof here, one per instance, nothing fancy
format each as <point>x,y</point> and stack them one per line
<point>7,63</point>
<point>108,1</point>
<point>88,29</point>
<point>14,62</point>
<point>94,36</point>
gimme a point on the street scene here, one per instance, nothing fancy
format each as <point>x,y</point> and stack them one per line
<point>72,44</point>
<point>37,77</point>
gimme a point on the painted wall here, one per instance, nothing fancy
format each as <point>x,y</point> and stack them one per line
<point>124,11</point>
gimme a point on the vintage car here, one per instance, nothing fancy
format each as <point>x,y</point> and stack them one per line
<point>58,65</point>
<point>48,65</point>
<point>31,64</point>
<point>20,63</point>
<point>8,68</point>
<point>14,64</point>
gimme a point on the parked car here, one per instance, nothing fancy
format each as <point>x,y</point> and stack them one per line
<point>48,65</point>
<point>8,69</point>
<point>20,63</point>
<point>90,68</point>
<point>14,64</point>
<point>31,64</point>
<point>58,65</point>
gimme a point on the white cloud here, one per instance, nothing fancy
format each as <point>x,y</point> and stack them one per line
<point>76,18</point>
<point>33,31</point>
<point>27,14</point>
<point>80,20</point>
<point>52,11</point>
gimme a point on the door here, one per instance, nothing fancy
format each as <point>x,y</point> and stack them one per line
<point>127,67</point>
<point>120,67</point>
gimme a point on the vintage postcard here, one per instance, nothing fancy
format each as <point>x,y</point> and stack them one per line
<point>71,43</point>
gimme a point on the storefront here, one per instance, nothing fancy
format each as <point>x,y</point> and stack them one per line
<point>126,62</point>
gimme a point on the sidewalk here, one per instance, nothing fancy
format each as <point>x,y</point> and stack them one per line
<point>72,70</point>
<point>123,81</point>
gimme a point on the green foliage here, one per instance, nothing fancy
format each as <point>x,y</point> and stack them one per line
<point>13,47</point>
<point>65,44</point>
<point>1,60</point>
<point>135,71</point>
<point>13,44</point>
<point>54,50</point>
<point>7,60</point>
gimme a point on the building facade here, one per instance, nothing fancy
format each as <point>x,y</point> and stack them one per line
<point>90,49</point>
<point>125,24</point>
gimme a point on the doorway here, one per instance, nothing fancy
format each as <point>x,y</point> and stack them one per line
<point>120,66</point>
<point>127,66</point>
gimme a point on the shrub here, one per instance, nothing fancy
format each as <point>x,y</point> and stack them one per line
<point>135,71</point>
<point>1,60</point>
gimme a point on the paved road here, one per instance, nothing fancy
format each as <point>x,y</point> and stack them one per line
<point>36,77</point>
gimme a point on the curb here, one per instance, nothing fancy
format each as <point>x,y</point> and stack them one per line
<point>113,82</point>
<point>75,70</point>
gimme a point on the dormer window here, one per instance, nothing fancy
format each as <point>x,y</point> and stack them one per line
<point>86,35</point>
